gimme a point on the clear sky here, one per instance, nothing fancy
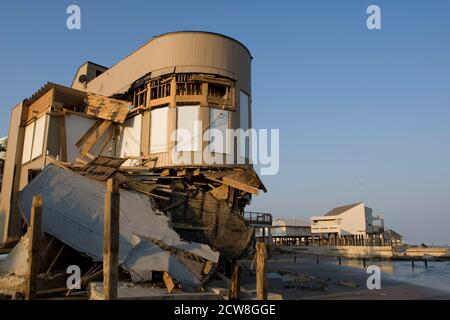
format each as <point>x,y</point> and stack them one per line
<point>364,115</point>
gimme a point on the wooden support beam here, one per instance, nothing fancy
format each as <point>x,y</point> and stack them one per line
<point>239,185</point>
<point>261,277</point>
<point>170,285</point>
<point>33,250</point>
<point>91,137</point>
<point>111,240</point>
<point>235,284</point>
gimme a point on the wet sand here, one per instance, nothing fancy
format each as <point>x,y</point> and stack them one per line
<point>330,272</point>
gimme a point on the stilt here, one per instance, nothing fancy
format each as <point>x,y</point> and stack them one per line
<point>111,240</point>
<point>235,283</point>
<point>261,280</point>
<point>33,250</point>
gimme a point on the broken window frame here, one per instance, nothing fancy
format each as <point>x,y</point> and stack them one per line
<point>210,90</point>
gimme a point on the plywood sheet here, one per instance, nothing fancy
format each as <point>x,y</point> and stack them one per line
<point>106,108</point>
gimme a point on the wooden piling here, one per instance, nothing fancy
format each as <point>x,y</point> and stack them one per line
<point>426,263</point>
<point>261,279</point>
<point>33,249</point>
<point>339,259</point>
<point>111,240</point>
<point>235,283</point>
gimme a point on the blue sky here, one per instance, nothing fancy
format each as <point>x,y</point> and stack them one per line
<point>363,115</point>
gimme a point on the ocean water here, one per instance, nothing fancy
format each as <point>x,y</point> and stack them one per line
<point>436,275</point>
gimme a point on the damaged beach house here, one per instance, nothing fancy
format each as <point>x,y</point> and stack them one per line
<point>180,221</point>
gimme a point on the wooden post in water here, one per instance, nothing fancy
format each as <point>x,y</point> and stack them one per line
<point>261,277</point>
<point>111,240</point>
<point>235,283</point>
<point>339,259</point>
<point>33,249</point>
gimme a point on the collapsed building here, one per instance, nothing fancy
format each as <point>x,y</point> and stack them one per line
<point>124,122</point>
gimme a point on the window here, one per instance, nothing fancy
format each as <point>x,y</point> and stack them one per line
<point>141,96</point>
<point>188,128</point>
<point>220,95</point>
<point>33,146</point>
<point>160,88</point>
<point>158,131</point>
<point>187,86</point>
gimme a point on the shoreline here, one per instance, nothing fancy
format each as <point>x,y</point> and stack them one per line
<point>340,282</point>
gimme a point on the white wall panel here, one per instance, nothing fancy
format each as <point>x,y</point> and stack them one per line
<point>218,125</point>
<point>28,142</point>
<point>158,131</point>
<point>76,126</point>
<point>131,139</point>
<point>187,137</point>
<point>39,135</point>
<point>244,106</point>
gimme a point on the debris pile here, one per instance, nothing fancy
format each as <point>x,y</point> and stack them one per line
<point>303,281</point>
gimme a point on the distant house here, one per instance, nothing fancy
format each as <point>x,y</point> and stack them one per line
<point>353,219</point>
<point>289,232</point>
<point>393,238</point>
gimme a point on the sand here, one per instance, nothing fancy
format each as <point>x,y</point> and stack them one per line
<point>343,282</point>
